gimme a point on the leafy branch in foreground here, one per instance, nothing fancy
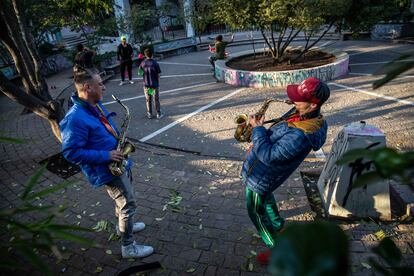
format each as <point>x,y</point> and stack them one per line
<point>322,248</point>
<point>389,164</point>
<point>395,68</point>
<point>29,237</point>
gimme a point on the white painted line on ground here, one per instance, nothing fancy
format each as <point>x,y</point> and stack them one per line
<point>185,64</point>
<point>379,62</point>
<point>162,92</point>
<point>161,130</point>
<point>327,43</point>
<point>319,154</point>
<point>371,75</point>
<point>174,76</point>
<point>360,74</point>
<point>373,94</point>
<point>369,51</point>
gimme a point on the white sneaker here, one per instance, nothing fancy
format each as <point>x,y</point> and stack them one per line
<point>137,227</point>
<point>149,115</point>
<point>121,83</point>
<point>131,82</point>
<point>160,115</point>
<point>136,251</point>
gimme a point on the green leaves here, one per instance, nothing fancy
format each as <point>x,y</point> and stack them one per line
<point>40,233</point>
<point>174,202</point>
<point>395,68</point>
<point>389,253</point>
<point>388,163</point>
<point>317,248</point>
<point>9,140</point>
<point>33,180</point>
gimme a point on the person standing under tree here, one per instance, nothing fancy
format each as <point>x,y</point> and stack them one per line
<point>151,76</point>
<point>89,139</point>
<point>124,55</point>
<point>277,152</point>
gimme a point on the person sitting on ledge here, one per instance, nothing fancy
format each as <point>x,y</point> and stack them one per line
<point>219,49</point>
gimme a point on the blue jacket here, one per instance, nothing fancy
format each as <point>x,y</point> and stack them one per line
<point>277,152</point>
<point>87,143</point>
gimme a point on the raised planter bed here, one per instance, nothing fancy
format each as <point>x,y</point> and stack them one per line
<point>261,79</point>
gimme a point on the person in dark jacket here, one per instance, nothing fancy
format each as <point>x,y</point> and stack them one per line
<point>219,49</point>
<point>124,55</point>
<point>277,152</point>
<point>151,77</point>
<point>89,139</point>
<point>84,56</point>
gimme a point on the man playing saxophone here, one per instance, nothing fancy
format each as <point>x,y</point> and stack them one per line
<point>89,139</point>
<point>278,151</point>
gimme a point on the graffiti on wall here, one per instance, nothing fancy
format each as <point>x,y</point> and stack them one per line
<point>386,31</point>
<point>283,78</point>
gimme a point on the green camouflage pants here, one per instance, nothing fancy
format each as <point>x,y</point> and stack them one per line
<point>265,216</point>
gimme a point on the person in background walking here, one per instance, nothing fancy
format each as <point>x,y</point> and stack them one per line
<point>151,75</point>
<point>124,55</point>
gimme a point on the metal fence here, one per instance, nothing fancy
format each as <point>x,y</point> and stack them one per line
<point>156,34</point>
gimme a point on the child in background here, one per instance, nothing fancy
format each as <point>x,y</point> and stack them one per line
<point>151,75</point>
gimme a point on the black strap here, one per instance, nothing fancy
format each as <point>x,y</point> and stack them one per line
<point>285,116</point>
<point>139,268</point>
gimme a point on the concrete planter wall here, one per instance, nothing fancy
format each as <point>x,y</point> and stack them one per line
<point>280,78</point>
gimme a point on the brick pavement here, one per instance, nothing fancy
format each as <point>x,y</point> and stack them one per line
<point>211,233</point>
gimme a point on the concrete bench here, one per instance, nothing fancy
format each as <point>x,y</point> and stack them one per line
<point>175,47</point>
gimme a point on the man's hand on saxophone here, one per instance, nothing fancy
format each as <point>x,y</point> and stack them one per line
<point>116,155</point>
<point>256,120</point>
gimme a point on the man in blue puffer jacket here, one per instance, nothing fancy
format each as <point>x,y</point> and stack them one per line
<point>89,139</point>
<point>278,151</point>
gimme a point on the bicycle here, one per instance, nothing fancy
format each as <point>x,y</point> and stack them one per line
<point>48,67</point>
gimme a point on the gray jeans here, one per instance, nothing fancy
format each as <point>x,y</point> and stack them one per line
<point>149,98</point>
<point>120,190</point>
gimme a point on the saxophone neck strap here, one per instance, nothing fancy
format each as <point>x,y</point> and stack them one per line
<point>104,120</point>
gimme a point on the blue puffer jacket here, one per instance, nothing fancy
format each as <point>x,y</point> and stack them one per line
<point>277,152</point>
<point>87,143</point>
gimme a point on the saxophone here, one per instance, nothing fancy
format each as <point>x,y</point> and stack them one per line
<point>125,146</point>
<point>244,130</point>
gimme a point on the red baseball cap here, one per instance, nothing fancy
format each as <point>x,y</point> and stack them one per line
<point>311,90</point>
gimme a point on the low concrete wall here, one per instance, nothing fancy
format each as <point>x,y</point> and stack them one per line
<point>280,78</point>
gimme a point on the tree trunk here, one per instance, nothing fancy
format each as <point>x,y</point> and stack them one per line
<point>316,41</point>
<point>19,42</point>
<point>272,51</point>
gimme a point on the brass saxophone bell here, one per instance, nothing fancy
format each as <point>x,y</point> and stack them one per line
<point>242,128</point>
<point>128,148</point>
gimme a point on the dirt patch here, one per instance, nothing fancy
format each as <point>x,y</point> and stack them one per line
<point>265,62</point>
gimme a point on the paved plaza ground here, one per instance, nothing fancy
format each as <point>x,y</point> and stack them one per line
<point>192,151</point>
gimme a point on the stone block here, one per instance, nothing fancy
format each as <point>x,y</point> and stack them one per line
<point>335,183</point>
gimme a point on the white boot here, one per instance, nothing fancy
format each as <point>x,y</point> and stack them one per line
<point>136,251</point>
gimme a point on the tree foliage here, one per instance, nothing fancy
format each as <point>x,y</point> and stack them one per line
<point>285,19</point>
<point>322,248</point>
<point>28,238</point>
<point>200,14</point>
<point>364,14</point>
<point>18,21</point>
